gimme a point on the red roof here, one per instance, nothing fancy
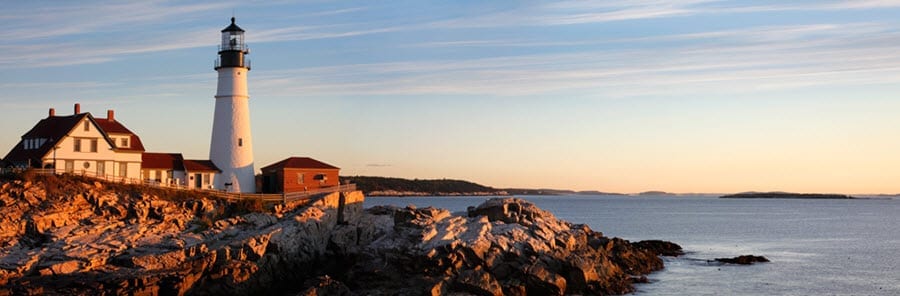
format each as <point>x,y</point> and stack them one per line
<point>299,163</point>
<point>116,127</point>
<point>192,165</point>
<point>168,161</point>
<point>176,162</point>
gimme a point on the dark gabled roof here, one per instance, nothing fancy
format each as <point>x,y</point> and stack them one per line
<point>232,27</point>
<point>54,128</point>
<point>116,127</point>
<point>168,161</point>
<point>299,163</point>
<point>51,128</point>
<point>192,165</point>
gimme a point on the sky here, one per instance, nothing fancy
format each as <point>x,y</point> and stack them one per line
<point>617,96</point>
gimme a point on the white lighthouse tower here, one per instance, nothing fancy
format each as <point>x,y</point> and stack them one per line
<point>231,148</point>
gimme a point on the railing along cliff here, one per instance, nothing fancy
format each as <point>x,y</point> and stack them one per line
<point>228,196</point>
<point>282,197</point>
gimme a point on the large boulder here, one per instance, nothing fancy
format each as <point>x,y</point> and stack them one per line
<point>507,246</point>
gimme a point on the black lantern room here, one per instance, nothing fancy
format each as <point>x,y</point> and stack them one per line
<point>233,49</point>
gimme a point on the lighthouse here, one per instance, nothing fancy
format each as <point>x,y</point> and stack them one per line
<point>231,148</point>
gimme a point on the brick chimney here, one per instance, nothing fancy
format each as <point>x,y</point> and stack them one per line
<point>77,108</point>
<point>52,112</point>
<point>111,115</point>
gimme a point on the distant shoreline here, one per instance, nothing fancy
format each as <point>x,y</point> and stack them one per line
<point>394,193</point>
<point>785,195</point>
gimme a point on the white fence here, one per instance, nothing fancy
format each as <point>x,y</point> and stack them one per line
<point>228,196</point>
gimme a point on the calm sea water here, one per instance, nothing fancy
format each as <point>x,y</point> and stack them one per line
<point>817,247</point>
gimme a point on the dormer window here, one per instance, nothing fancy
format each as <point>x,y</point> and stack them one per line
<point>124,142</point>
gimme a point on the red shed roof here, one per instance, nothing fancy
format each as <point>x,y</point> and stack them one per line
<point>299,163</point>
<point>169,161</point>
<point>192,165</point>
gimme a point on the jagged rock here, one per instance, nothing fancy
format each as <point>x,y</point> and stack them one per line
<point>541,281</point>
<point>662,248</point>
<point>324,286</point>
<point>743,260</point>
<point>478,282</point>
<point>524,249</point>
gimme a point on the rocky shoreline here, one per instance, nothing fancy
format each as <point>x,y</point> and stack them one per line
<point>80,237</point>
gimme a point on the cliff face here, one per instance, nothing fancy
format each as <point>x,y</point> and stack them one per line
<point>91,240</point>
<point>86,238</point>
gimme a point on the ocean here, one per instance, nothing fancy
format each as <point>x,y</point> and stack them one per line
<point>817,247</point>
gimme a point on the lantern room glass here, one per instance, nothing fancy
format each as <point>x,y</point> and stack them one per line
<point>233,40</point>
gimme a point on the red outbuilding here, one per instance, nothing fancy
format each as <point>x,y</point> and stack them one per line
<point>297,174</point>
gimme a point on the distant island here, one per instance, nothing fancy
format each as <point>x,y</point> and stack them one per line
<point>787,195</point>
<point>385,186</point>
<point>656,193</point>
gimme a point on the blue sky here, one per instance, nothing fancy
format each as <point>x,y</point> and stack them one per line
<point>627,96</point>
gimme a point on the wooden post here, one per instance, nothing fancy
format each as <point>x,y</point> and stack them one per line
<point>340,209</point>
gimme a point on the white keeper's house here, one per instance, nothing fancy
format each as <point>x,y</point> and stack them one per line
<point>80,143</point>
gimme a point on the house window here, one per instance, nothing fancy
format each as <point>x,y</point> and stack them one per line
<point>101,168</point>
<point>124,142</point>
<point>123,169</point>
<point>87,126</point>
<point>77,145</point>
<point>93,145</point>
<point>300,178</point>
<point>206,178</point>
<point>70,166</point>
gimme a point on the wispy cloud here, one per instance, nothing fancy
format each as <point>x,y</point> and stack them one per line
<point>61,53</point>
<point>588,12</point>
<point>731,61</point>
<point>75,19</point>
<point>298,33</point>
<point>47,37</point>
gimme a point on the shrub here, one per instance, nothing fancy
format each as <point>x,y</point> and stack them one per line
<point>250,205</point>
